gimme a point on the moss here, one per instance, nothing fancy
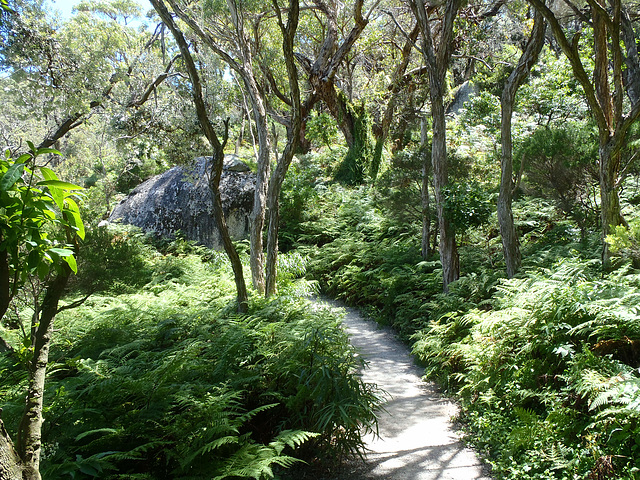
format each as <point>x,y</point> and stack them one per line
<point>353,169</point>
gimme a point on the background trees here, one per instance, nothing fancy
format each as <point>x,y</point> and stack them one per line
<point>363,115</point>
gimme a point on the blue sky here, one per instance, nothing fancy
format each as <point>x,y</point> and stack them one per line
<point>65,6</point>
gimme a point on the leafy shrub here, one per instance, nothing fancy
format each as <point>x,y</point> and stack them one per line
<point>164,380</point>
<point>546,370</point>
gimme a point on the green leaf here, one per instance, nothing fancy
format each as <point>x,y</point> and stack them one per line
<point>34,259</point>
<point>48,174</point>
<point>60,184</point>
<point>43,270</point>
<point>12,175</point>
<point>72,263</point>
<point>63,252</point>
<point>73,218</point>
<point>99,430</point>
<point>44,151</point>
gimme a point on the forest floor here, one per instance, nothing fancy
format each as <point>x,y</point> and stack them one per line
<point>417,440</point>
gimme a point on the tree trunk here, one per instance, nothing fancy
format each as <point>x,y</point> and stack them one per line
<point>510,243</point>
<point>10,464</point>
<point>424,193</point>
<point>218,153</point>
<point>447,246</point>
<point>610,211</point>
<point>293,136</point>
<point>256,255</point>
<point>29,438</point>
<point>437,61</point>
<point>610,26</point>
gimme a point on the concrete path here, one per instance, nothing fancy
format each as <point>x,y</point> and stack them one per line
<point>417,440</point>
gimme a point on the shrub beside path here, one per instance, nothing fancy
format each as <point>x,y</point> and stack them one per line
<point>416,438</point>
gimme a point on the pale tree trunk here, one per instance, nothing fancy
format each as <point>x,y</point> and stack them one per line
<point>10,464</point>
<point>23,461</point>
<point>245,69</point>
<point>510,243</point>
<point>218,153</point>
<point>29,439</point>
<point>256,254</point>
<point>448,247</point>
<point>424,193</point>
<point>437,59</point>
<point>293,136</point>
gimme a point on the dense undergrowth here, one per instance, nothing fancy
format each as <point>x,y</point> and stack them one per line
<point>545,365</point>
<point>155,375</point>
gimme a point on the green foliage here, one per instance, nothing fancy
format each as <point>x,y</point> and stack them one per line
<point>34,203</point>
<point>624,242</point>
<point>466,205</point>
<point>559,163</point>
<point>155,376</point>
<point>321,130</point>
<point>546,369</point>
<point>298,201</point>
<point>398,188</point>
<point>373,263</point>
<point>354,168</point>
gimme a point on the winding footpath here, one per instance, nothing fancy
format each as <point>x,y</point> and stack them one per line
<point>416,438</point>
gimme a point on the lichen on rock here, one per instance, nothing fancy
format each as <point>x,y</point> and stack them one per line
<point>179,200</point>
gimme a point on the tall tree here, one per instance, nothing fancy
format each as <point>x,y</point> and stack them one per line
<point>510,243</point>
<point>231,32</point>
<point>293,137</point>
<point>48,66</point>
<point>321,66</point>
<point>436,51</point>
<point>218,152</point>
<point>615,75</point>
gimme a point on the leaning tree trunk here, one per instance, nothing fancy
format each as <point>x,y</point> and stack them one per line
<point>29,439</point>
<point>10,464</point>
<point>218,153</point>
<point>510,243</point>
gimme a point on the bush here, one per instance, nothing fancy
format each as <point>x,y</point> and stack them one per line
<point>164,380</point>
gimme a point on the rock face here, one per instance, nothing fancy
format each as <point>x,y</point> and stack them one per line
<point>180,200</point>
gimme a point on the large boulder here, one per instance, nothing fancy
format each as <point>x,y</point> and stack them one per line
<point>180,200</point>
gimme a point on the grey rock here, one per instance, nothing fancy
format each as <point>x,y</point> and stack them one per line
<point>180,200</point>
<point>233,163</point>
<point>463,94</point>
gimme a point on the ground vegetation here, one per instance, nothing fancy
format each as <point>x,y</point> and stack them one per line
<point>465,173</point>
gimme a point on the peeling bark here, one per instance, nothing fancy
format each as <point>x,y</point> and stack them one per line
<point>510,243</point>
<point>10,464</point>
<point>437,58</point>
<point>604,93</point>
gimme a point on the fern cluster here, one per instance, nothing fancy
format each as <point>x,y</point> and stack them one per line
<point>164,380</point>
<point>544,364</point>
<point>535,370</point>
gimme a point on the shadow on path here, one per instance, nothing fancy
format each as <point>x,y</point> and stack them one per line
<point>417,440</point>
